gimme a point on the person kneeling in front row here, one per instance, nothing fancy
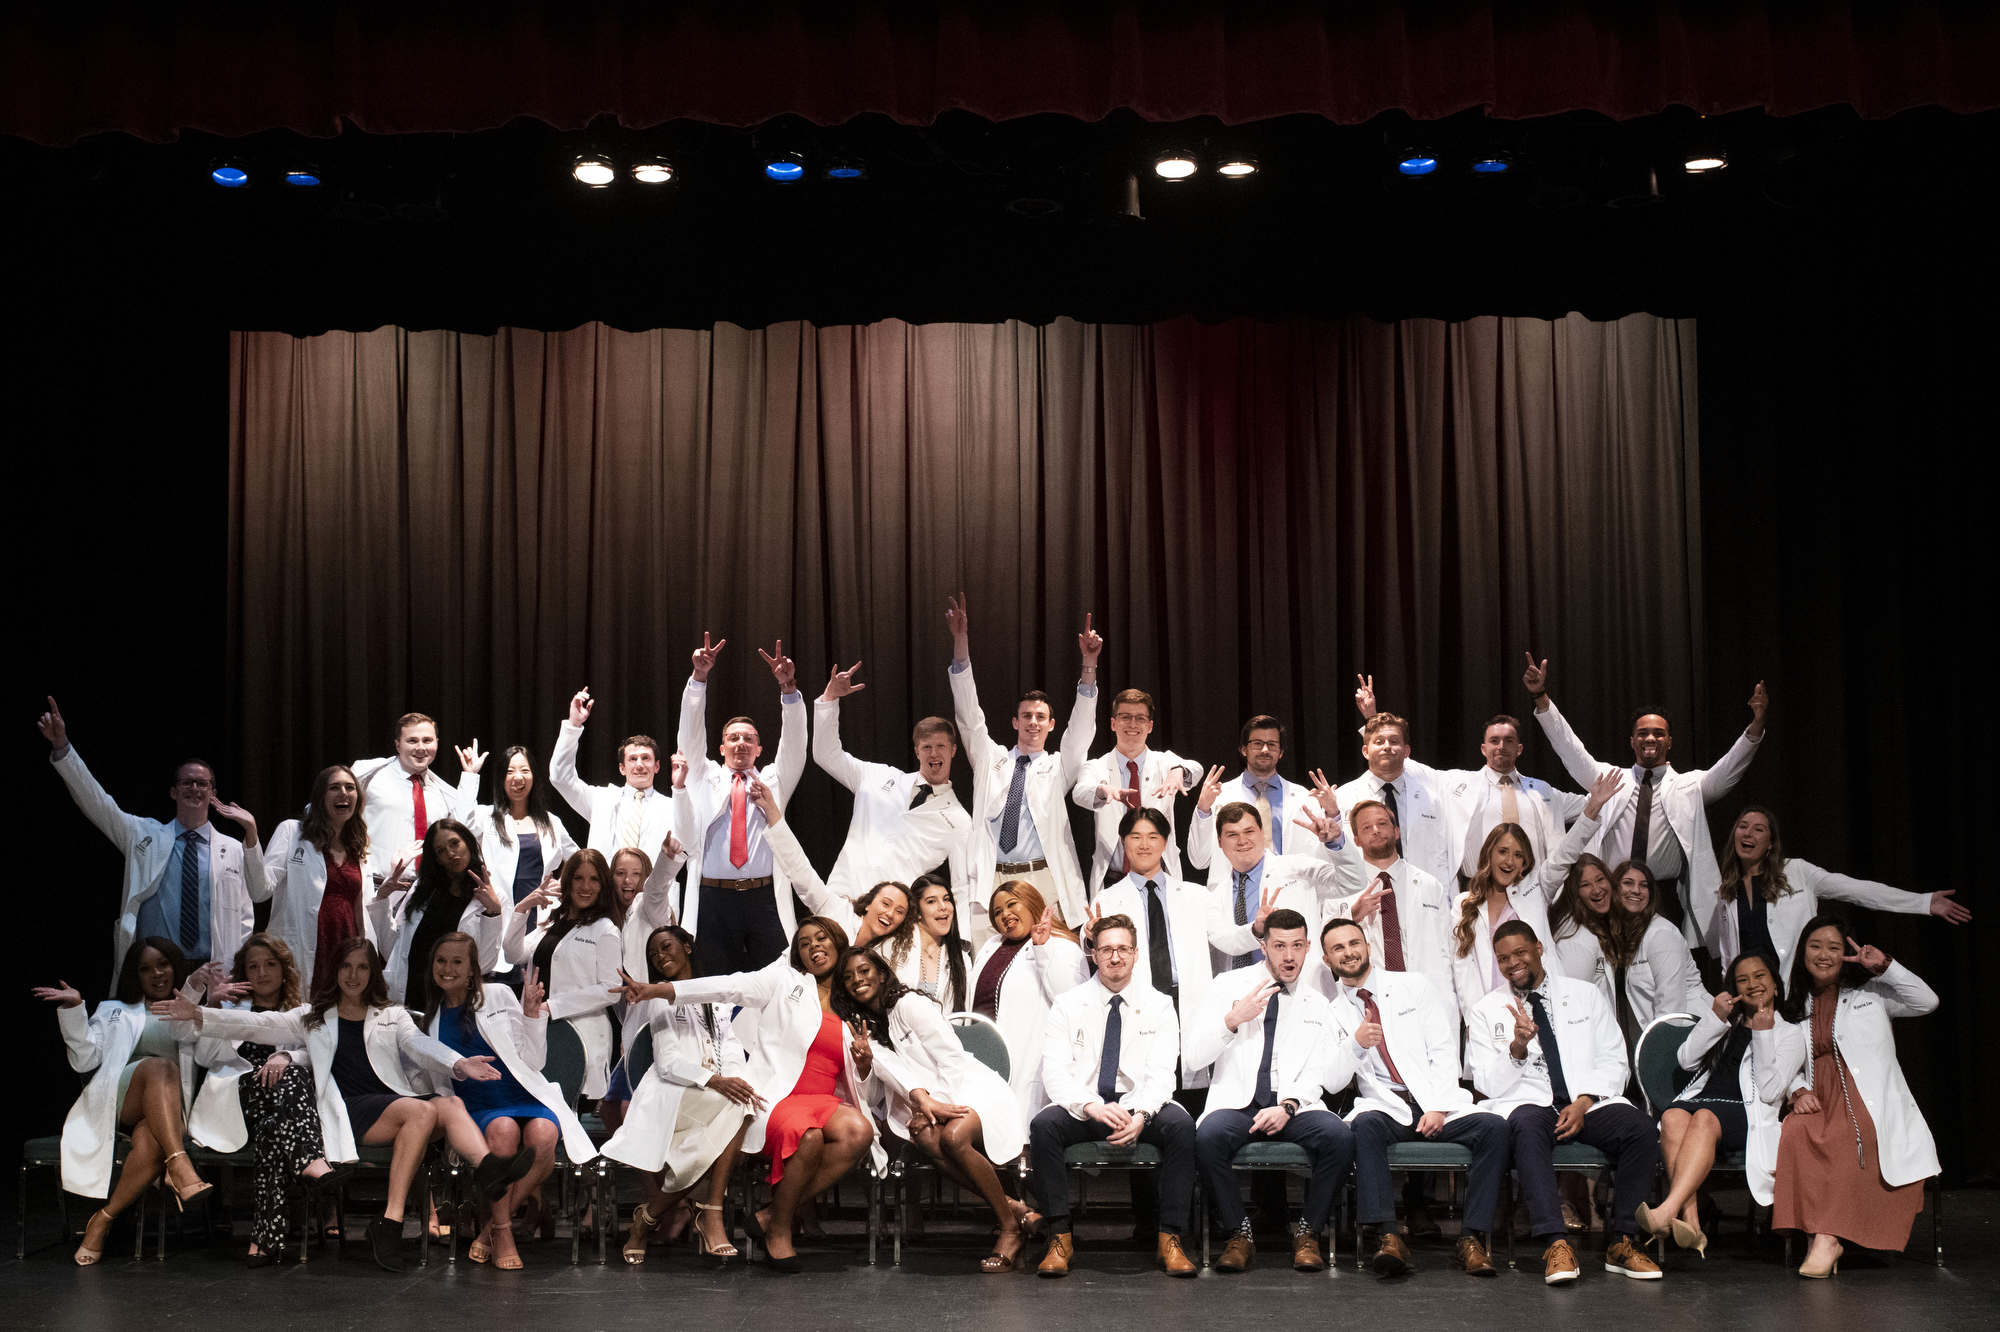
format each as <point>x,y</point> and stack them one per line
<point>1109,1055</point>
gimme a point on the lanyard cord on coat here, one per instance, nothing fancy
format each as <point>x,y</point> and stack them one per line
<point>1839,1068</point>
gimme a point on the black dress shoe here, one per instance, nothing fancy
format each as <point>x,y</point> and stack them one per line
<point>788,1266</point>
<point>263,1258</point>
<point>385,1241</point>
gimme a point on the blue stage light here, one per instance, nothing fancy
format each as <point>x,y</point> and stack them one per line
<point>844,172</point>
<point>1417,164</point>
<point>785,168</point>
<point>230,177</point>
<point>1492,166</point>
<point>302,178</point>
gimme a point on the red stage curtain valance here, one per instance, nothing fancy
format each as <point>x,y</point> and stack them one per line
<point>68,69</point>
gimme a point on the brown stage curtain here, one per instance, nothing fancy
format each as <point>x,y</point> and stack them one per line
<point>475,526</point>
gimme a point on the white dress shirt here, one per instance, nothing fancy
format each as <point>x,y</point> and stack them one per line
<point>886,838</point>
<point>613,810</point>
<point>388,806</point>
<point>1114,770</point>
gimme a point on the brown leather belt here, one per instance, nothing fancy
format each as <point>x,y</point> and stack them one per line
<point>737,885</point>
<point>1020,866</point>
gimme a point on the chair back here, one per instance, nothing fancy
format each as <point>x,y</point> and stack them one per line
<point>639,1059</point>
<point>980,1035</point>
<point>1657,1059</point>
<point>564,1064</point>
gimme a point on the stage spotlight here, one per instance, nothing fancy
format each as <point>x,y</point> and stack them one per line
<point>229,176</point>
<point>1237,168</point>
<point>1495,164</point>
<point>785,168</point>
<point>592,169</point>
<point>652,171</point>
<point>1416,162</point>
<point>1174,165</point>
<point>1705,161</point>
<point>303,178</point>
<point>846,168</point>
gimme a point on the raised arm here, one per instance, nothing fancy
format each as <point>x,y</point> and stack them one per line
<point>971,719</point>
<point>562,763</point>
<point>655,903</point>
<point>792,726</point>
<point>834,760</point>
<point>1082,728</point>
<point>693,735</point>
<point>792,859</point>
<point>1875,896</point>
<point>1582,768</point>
<point>1728,770</point>
<point>96,804</point>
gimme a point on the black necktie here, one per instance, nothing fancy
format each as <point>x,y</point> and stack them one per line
<point>1551,1055</point>
<point>1642,823</point>
<point>921,794</point>
<point>1107,1066</point>
<point>190,891</point>
<point>1389,799</point>
<point>1159,953</point>
<point>1265,1097</point>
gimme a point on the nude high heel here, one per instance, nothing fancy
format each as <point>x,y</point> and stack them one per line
<point>182,1197</point>
<point>88,1257</point>
<point>718,1254</point>
<point>1820,1274</point>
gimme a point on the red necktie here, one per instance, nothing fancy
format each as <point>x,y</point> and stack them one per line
<point>739,824</point>
<point>417,803</point>
<point>1392,926</point>
<point>1132,784</point>
<point>1374,1015</point>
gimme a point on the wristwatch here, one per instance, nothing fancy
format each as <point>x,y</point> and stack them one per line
<point>1291,1105</point>
<point>1142,1115</point>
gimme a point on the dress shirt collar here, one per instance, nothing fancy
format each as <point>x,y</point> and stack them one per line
<point>1352,988</point>
<point>1016,752</point>
<point>1493,777</point>
<point>1660,774</point>
<point>1134,994</point>
<point>1255,872</point>
<point>1158,876</point>
<point>1272,788</point>
<point>1396,781</point>
<point>204,828</point>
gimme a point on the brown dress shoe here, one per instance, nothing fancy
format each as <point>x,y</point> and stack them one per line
<point>1559,1263</point>
<point>1306,1256</point>
<point>1174,1257</point>
<point>1235,1254</point>
<point>1392,1256</point>
<point>1055,1263</point>
<point>1473,1258</point>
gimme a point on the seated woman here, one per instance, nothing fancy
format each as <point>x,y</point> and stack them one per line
<point>1031,958</point>
<point>1764,895</point>
<point>927,950</point>
<point>520,1111</point>
<point>687,1121</point>
<point>1744,1057</point>
<point>956,1110</point>
<point>259,1084</point>
<point>576,951</point>
<point>448,893</point>
<point>798,1057</point>
<point>139,1079</point>
<point>1585,946</point>
<point>1855,1151</point>
<point>367,1095</point>
<point>645,894</point>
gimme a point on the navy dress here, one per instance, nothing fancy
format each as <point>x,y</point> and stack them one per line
<point>505,1098</point>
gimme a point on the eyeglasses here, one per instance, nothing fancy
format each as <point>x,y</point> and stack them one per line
<point>1130,718</point>
<point>1263,744</point>
<point>1113,952</point>
<point>195,784</point>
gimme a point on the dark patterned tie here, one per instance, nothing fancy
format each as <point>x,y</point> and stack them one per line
<point>1392,926</point>
<point>1552,1056</point>
<point>1265,1097</point>
<point>1642,822</point>
<point>1107,1067</point>
<point>190,891</point>
<point>1010,817</point>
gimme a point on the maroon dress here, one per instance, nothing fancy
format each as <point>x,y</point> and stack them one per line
<point>339,918</point>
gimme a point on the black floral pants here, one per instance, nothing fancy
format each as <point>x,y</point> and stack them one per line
<point>284,1127</point>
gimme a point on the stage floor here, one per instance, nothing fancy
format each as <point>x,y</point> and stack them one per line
<point>938,1287</point>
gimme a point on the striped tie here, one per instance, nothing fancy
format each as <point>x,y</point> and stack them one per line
<point>190,891</point>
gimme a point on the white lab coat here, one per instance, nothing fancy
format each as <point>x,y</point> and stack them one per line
<point>236,874</point>
<point>216,1118</point>
<point>1787,916</point>
<point>392,932</point>
<point>1472,973</point>
<point>99,1047</point>
<point>779,1022</point>
<point>601,806</point>
<point>1288,838</point>
<point>708,790</point>
<point>1426,911</point>
<point>1304,884</point>
<point>1149,1048</point>
<point>1051,775</point>
<point>886,839</point>
<point>1587,1035</point>
<point>1187,927</point>
<point>1770,1063</point>
<point>1108,769</point>
<point>1683,797</point>
<point>504,858</point>
<point>1422,1037</point>
<point>1864,1038</point>
<point>656,905</point>
<point>395,1048</point>
<point>390,814</point>
<point>790,859</point>
<point>521,1045</point>
<point>927,1055</point>
<point>1471,798</point>
<point>1663,978</point>
<point>1307,1055</point>
<point>298,879</point>
<point>1040,974</point>
<point>683,1056</point>
<point>582,973</point>
<point>1421,815</point>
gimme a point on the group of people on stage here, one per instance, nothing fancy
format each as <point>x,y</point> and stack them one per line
<point>1472,954</point>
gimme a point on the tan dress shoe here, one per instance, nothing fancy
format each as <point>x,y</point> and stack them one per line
<point>1392,1256</point>
<point>1306,1256</point>
<point>1628,1259</point>
<point>1175,1258</point>
<point>1235,1254</point>
<point>1559,1263</point>
<point>1472,1256</point>
<point>1055,1263</point>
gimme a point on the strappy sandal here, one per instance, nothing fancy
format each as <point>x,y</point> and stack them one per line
<point>643,1225</point>
<point>88,1257</point>
<point>479,1251</point>
<point>183,1197</point>
<point>996,1262</point>
<point>718,1254</point>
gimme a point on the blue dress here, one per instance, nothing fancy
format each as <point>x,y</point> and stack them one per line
<point>486,1101</point>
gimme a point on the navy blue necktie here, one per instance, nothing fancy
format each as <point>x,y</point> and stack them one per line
<point>1107,1068</point>
<point>1265,1097</point>
<point>190,891</point>
<point>1546,1031</point>
<point>1010,817</point>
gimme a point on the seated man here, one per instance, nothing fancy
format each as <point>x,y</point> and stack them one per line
<point>1547,1054</point>
<point>1108,1061</point>
<point>1274,1048</point>
<point>1406,1089</point>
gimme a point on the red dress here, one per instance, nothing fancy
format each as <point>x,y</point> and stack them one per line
<point>812,1101</point>
<point>339,918</point>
